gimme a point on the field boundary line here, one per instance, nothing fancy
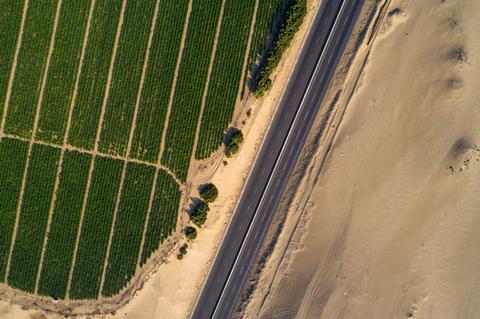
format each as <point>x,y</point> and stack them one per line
<point>247,53</point>
<point>98,154</point>
<point>174,80</point>
<point>13,70</point>
<point>32,137</point>
<point>213,55</point>
<point>97,137</point>
<point>53,201</point>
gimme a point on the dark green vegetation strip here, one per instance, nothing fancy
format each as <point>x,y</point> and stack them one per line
<point>291,22</point>
<point>91,88</point>
<point>159,79</point>
<point>10,21</point>
<point>227,73</point>
<point>190,86</point>
<point>163,217</point>
<point>126,77</point>
<point>129,226</point>
<point>95,232</point>
<point>267,13</point>
<point>13,154</point>
<point>30,67</point>
<point>64,225</point>
<point>33,217</point>
<point>62,71</point>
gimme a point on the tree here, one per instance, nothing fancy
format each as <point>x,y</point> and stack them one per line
<point>233,143</point>
<point>199,214</point>
<point>209,193</point>
<point>183,249</point>
<point>190,232</point>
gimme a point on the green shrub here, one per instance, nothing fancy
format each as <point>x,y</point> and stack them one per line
<point>233,144</point>
<point>190,232</point>
<point>199,214</point>
<point>209,193</point>
<point>291,24</point>
<point>183,249</point>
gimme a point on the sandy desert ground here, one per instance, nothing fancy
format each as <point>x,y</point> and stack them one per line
<point>391,225</point>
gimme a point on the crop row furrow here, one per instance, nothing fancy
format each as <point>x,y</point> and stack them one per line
<point>11,17</point>
<point>91,87</point>
<point>64,225</point>
<point>126,77</point>
<point>185,113</point>
<point>159,79</point>
<point>226,73</point>
<point>62,71</point>
<point>31,63</point>
<point>129,225</point>
<point>33,217</point>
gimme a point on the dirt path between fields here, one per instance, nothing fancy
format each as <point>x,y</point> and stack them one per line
<point>14,68</point>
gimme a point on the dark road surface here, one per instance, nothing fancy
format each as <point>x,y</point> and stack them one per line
<point>301,101</point>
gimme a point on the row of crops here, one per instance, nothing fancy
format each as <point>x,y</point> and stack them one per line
<point>129,225</point>
<point>39,23</point>
<point>159,79</point>
<point>126,77</point>
<point>227,72</point>
<point>93,78</point>
<point>163,216</point>
<point>97,223</point>
<point>10,21</point>
<point>64,225</point>
<point>62,71</point>
<point>190,86</point>
<point>34,212</point>
<point>13,155</point>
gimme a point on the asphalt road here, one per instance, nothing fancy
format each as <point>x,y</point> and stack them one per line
<point>301,101</point>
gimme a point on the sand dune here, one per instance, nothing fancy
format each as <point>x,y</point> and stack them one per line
<point>391,229</point>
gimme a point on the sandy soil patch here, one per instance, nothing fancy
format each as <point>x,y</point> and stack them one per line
<point>389,224</point>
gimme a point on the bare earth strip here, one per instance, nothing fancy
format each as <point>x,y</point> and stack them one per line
<point>207,83</point>
<point>32,138</point>
<point>130,139</point>
<point>14,68</point>
<point>175,76</point>
<point>97,138</point>
<point>65,138</point>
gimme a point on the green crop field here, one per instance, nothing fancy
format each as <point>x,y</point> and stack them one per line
<point>104,104</point>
